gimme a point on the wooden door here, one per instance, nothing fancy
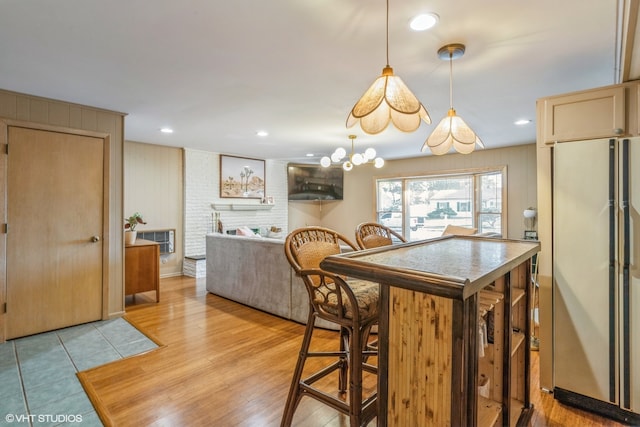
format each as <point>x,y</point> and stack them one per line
<point>54,239</point>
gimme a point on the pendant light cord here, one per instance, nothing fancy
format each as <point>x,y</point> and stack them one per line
<point>387,33</point>
<point>450,79</point>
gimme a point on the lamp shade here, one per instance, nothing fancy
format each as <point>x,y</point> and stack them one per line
<point>452,131</point>
<point>388,99</point>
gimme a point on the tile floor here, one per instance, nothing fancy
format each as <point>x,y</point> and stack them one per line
<point>38,383</point>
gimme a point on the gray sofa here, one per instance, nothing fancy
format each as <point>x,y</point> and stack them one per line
<point>254,271</point>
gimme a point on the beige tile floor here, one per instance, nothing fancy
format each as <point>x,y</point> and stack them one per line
<point>38,379</point>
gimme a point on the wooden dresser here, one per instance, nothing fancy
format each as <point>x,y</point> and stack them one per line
<point>142,268</point>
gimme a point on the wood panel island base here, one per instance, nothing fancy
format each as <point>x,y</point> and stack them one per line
<point>436,365</point>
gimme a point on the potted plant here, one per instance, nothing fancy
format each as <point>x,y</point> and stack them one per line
<point>130,224</point>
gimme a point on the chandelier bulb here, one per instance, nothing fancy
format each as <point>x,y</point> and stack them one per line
<point>370,154</point>
<point>352,159</point>
<point>357,159</point>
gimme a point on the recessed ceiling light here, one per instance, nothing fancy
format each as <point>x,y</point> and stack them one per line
<point>424,21</point>
<point>309,154</point>
<point>522,122</point>
<point>166,130</point>
<point>262,133</point>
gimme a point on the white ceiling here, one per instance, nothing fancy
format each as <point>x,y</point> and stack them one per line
<point>218,71</point>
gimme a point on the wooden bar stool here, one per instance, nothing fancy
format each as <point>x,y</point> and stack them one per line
<point>350,304</point>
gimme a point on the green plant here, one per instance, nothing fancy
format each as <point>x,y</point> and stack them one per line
<point>441,212</point>
<point>131,222</point>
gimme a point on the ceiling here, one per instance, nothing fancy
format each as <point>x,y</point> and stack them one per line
<point>219,71</point>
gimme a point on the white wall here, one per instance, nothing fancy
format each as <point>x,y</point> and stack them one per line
<point>202,189</point>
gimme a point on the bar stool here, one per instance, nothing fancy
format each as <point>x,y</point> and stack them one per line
<point>350,304</point>
<point>373,235</point>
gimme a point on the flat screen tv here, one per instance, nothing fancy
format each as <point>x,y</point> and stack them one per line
<point>314,182</point>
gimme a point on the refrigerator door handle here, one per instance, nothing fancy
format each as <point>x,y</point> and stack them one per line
<point>626,260</point>
<point>612,271</point>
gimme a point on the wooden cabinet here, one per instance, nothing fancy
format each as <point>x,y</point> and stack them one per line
<point>142,267</point>
<point>610,111</point>
<point>432,362</point>
<point>503,376</point>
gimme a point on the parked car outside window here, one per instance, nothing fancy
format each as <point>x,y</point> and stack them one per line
<point>393,220</point>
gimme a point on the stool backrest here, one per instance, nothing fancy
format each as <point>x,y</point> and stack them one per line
<point>306,247</point>
<point>373,235</point>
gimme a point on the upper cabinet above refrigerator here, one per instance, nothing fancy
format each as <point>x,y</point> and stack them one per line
<point>588,146</point>
<point>610,111</point>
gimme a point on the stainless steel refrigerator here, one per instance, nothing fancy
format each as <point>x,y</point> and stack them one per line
<point>596,276</point>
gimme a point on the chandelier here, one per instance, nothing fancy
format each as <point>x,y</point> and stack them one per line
<point>388,99</point>
<point>452,131</point>
<point>355,159</point>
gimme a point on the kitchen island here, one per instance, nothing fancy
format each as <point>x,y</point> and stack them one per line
<point>454,328</point>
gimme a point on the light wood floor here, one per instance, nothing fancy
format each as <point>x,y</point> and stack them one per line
<point>223,364</point>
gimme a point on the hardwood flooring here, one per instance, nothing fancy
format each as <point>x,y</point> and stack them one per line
<point>224,364</point>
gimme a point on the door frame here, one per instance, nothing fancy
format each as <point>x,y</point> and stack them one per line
<point>106,137</point>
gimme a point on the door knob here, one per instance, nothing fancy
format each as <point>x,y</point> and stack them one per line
<point>95,239</point>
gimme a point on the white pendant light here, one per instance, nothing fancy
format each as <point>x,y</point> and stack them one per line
<point>388,99</point>
<point>452,131</point>
<point>354,159</point>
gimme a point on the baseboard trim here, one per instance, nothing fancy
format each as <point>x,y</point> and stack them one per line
<point>596,406</point>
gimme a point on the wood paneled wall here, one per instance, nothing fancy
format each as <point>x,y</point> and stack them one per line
<point>153,177</point>
<point>65,116</point>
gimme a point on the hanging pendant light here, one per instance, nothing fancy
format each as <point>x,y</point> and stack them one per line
<point>354,159</point>
<point>452,131</point>
<point>388,99</point>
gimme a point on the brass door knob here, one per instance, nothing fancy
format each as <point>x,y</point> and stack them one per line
<point>95,239</point>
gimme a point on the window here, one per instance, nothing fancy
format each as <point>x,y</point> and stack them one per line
<point>421,207</point>
<point>464,207</point>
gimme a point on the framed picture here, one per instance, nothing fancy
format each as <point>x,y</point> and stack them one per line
<point>241,177</point>
<point>531,235</point>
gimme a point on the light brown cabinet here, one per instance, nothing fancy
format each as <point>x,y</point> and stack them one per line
<point>610,111</point>
<point>142,268</point>
<point>503,376</point>
<point>432,362</point>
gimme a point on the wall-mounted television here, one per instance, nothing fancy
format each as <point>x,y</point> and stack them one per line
<point>314,182</point>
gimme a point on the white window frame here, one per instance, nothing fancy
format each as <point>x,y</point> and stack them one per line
<point>408,225</point>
